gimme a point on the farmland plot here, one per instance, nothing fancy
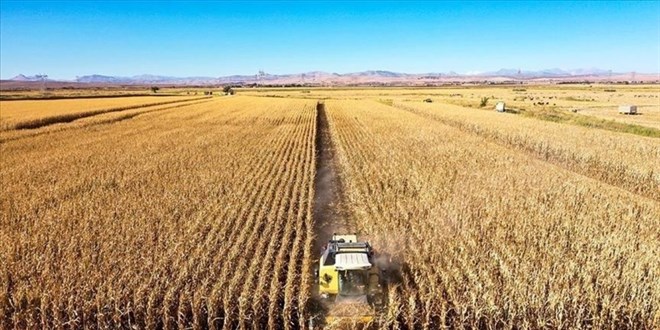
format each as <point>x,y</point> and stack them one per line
<point>488,236</point>
<point>35,114</point>
<point>627,161</point>
<point>78,120</point>
<point>199,214</point>
<point>193,216</point>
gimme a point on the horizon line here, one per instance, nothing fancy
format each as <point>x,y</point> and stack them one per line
<point>450,72</point>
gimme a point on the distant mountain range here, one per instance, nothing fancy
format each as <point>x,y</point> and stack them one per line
<point>21,77</point>
<point>364,77</point>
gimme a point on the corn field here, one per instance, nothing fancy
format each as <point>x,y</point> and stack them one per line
<point>489,236</point>
<point>197,216</point>
<point>197,213</point>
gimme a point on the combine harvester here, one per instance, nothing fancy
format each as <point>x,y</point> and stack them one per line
<point>350,283</point>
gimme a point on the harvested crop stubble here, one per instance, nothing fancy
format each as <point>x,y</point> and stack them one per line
<point>190,217</point>
<point>349,316</point>
<point>97,119</point>
<point>35,114</point>
<point>490,237</point>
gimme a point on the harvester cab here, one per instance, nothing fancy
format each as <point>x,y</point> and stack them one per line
<point>349,279</point>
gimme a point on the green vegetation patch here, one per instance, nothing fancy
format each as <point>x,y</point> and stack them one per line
<point>389,102</point>
<point>593,122</point>
<point>578,99</point>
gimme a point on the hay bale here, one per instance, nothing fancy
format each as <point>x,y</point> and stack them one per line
<point>628,109</point>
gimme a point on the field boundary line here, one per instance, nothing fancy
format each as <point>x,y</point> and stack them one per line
<point>67,118</point>
<point>37,132</point>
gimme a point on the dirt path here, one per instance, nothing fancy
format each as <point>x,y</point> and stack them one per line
<point>327,211</point>
<point>330,215</point>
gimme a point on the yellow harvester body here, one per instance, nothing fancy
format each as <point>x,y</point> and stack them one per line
<point>350,280</point>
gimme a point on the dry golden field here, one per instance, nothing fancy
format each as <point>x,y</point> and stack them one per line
<point>490,236</point>
<point>31,114</point>
<point>59,90</point>
<point>200,213</point>
<point>193,216</point>
<point>595,105</point>
<point>623,160</point>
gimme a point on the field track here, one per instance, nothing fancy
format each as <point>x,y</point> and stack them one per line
<point>328,217</point>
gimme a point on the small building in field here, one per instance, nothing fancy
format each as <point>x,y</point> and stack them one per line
<point>499,107</point>
<point>628,109</point>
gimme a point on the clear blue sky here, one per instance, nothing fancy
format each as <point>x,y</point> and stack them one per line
<point>67,39</point>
